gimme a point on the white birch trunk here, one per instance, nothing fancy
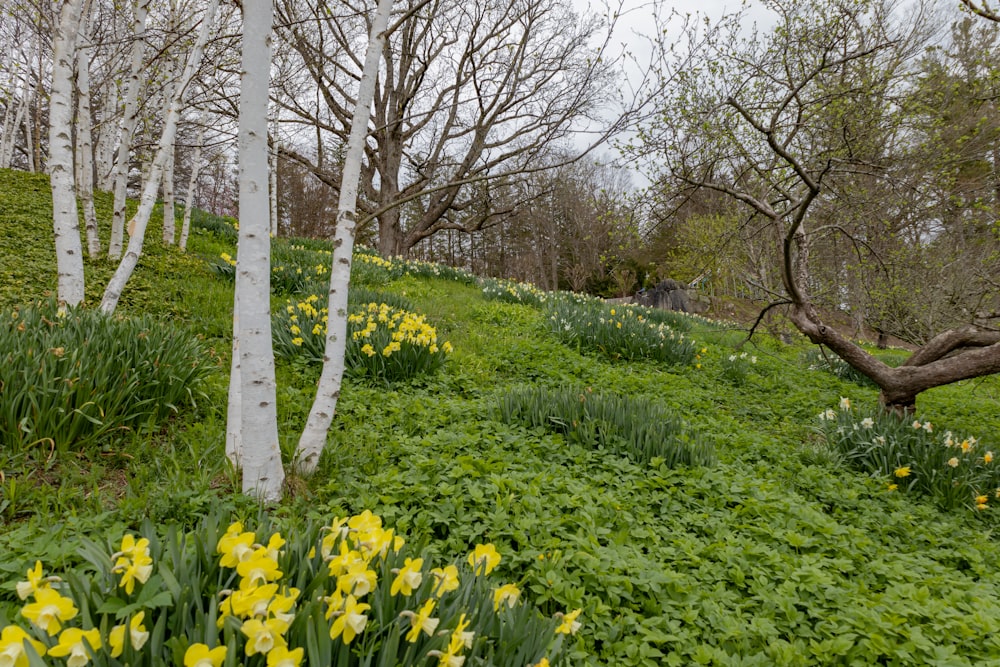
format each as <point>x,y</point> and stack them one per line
<point>260,457</point>
<point>129,119</point>
<point>234,409</point>
<point>65,222</point>
<point>138,224</point>
<point>169,231</point>
<point>191,189</point>
<point>29,140</point>
<point>104,154</point>
<point>85,145</point>
<point>273,189</point>
<point>11,121</point>
<point>325,404</point>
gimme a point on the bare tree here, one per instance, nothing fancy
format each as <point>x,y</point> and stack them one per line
<point>470,92</point>
<point>780,123</point>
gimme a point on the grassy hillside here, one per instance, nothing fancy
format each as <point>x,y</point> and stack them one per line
<point>781,552</point>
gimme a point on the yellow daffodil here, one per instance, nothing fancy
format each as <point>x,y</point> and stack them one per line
<point>340,563</point>
<point>73,645</point>
<point>136,569</point>
<point>49,610</point>
<point>137,635</point>
<point>262,636</point>
<point>421,621</point>
<point>988,457</point>
<point>508,593</point>
<point>258,569</point>
<point>408,577</point>
<point>250,601</point>
<point>569,624</point>
<point>35,582</point>
<point>282,657</point>
<point>484,558</point>
<point>358,580</point>
<point>350,621</point>
<point>445,579</point>
<point>235,546</point>
<point>892,487</point>
<point>199,655</point>
<point>12,650</point>
<point>903,471</point>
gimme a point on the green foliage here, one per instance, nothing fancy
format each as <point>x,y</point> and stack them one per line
<point>348,594</point>
<point>820,359</point>
<point>618,332</point>
<point>737,366</point>
<point>639,428</point>
<point>299,269</point>
<point>224,228</point>
<point>956,471</point>
<point>72,380</point>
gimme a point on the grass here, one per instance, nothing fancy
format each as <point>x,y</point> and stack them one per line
<point>780,553</point>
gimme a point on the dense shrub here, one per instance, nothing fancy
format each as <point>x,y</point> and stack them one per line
<point>71,380</point>
<point>636,427</point>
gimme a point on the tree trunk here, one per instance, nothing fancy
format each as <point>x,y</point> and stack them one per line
<point>324,406</point>
<point>66,223</point>
<point>260,457</point>
<point>192,188</point>
<point>127,129</point>
<point>169,227</point>
<point>137,227</point>
<point>85,146</point>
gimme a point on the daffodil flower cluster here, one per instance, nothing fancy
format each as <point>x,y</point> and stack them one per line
<point>390,344</point>
<point>348,592</point>
<point>955,471</point>
<point>50,611</point>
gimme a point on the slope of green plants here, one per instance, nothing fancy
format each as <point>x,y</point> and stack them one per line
<point>780,553</point>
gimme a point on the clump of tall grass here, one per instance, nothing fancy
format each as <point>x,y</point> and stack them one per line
<point>635,427</point>
<point>619,332</point>
<point>70,380</point>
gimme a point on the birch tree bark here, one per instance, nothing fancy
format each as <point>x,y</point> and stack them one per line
<point>129,119</point>
<point>85,143</point>
<point>260,456</point>
<point>66,223</point>
<point>138,224</point>
<point>192,188</point>
<point>325,404</point>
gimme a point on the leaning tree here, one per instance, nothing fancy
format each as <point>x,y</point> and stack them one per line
<point>804,126</point>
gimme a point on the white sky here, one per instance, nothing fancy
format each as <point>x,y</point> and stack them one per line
<point>637,21</point>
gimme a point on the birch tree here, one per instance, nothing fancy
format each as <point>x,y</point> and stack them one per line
<point>127,128</point>
<point>256,449</point>
<point>66,223</point>
<point>192,188</point>
<point>138,224</point>
<point>324,406</point>
<point>85,143</point>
